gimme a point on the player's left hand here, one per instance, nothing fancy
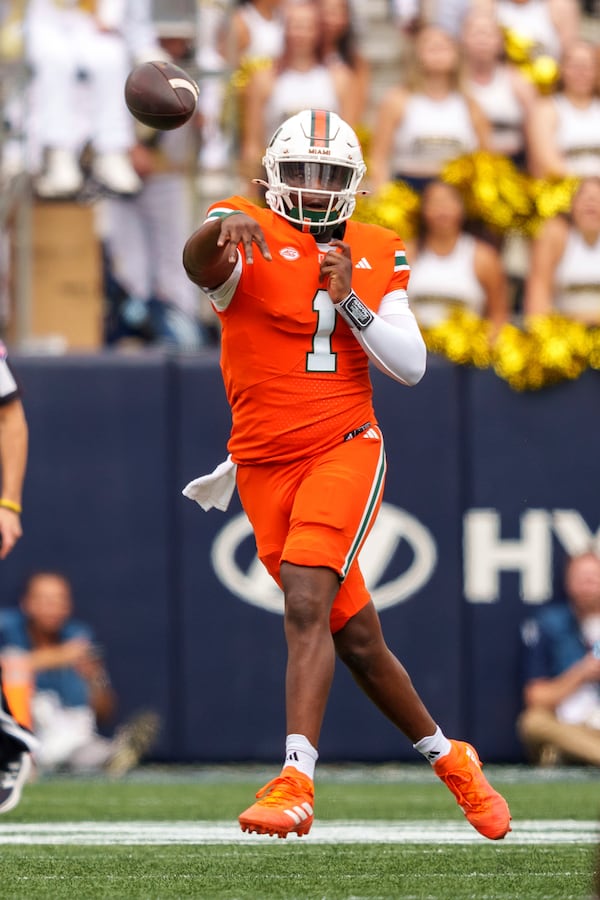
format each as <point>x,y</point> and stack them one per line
<point>336,270</point>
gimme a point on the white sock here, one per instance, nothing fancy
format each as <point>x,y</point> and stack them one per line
<point>300,754</point>
<point>434,746</point>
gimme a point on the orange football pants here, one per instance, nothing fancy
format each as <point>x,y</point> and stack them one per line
<point>318,512</point>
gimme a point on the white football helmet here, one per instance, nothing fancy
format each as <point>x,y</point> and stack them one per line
<point>314,165</point>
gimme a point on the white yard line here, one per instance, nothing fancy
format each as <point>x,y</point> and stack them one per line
<point>556,831</point>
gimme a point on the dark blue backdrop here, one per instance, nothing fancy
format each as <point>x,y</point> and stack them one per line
<point>113,441</point>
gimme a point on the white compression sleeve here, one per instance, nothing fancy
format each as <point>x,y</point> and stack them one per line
<point>392,339</point>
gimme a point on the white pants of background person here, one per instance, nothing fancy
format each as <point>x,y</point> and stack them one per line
<point>67,735</point>
<point>77,95</point>
<point>144,238</point>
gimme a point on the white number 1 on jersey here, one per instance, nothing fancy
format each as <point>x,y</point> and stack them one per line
<point>322,358</point>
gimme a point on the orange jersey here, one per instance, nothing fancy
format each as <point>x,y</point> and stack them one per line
<point>295,376</point>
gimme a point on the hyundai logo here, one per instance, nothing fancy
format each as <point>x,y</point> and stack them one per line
<point>392,527</point>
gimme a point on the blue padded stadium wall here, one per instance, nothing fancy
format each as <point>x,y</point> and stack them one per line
<point>487,489</point>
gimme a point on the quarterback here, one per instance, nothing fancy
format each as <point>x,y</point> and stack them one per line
<point>307,298</point>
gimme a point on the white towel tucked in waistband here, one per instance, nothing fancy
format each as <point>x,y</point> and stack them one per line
<point>215,489</point>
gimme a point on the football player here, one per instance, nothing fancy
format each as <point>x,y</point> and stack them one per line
<point>306,298</point>
<point>16,741</point>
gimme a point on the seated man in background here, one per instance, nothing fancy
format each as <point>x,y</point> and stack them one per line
<point>70,693</point>
<point>561,719</point>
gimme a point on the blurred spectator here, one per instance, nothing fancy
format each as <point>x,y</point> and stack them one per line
<point>148,294</point>
<point>550,25</point>
<point>564,137</point>
<point>427,122</point>
<point>252,33</point>
<point>564,275</point>
<point>70,690</point>
<point>451,268</point>
<point>561,717</point>
<point>340,44</point>
<point>80,55</point>
<point>446,14</point>
<point>298,79</point>
<point>501,91</point>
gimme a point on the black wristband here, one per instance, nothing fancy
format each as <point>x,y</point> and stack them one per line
<point>355,312</point>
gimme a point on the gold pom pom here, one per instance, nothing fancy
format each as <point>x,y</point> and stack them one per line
<point>550,196</point>
<point>463,338</point>
<point>231,113</point>
<point>511,357</point>
<point>395,205</point>
<point>364,135</point>
<point>533,63</point>
<point>547,350</point>
<point>241,77</point>
<point>494,191</point>
<point>517,47</point>
<point>543,72</point>
<point>594,348</point>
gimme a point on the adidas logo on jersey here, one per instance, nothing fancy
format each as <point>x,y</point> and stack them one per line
<point>363,264</point>
<point>372,434</point>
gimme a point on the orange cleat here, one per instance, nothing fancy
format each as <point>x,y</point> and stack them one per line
<point>485,808</point>
<point>284,805</point>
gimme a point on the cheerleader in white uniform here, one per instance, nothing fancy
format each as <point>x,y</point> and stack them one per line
<point>340,44</point>
<point>565,266</point>
<point>258,27</point>
<point>503,94</point>
<point>298,80</point>
<point>421,127</point>
<point>565,127</point>
<point>450,268</point>
<point>253,31</point>
<point>551,25</point>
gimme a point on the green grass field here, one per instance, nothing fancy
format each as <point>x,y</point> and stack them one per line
<point>381,832</point>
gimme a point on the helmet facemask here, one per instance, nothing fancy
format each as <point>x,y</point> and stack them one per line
<point>312,181</point>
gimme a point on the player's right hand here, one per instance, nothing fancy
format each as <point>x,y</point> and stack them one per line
<point>73,651</point>
<point>242,229</point>
<point>588,668</point>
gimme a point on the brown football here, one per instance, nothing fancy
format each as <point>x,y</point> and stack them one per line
<point>161,95</point>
